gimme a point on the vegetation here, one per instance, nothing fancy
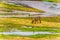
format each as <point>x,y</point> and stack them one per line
<point>36,37</point>
<point>32,36</point>
<point>19,27</point>
<point>7,24</point>
<point>43,35</point>
<point>52,0</point>
<point>49,24</point>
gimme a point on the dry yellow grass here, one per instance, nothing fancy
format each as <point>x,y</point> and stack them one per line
<point>28,22</point>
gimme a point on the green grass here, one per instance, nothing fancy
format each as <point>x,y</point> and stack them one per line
<point>52,0</point>
<point>9,36</point>
<point>9,26</point>
<point>43,36</point>
<point>40,29</point>
<point>32,36</point>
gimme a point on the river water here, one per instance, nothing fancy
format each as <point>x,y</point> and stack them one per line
<point>27,33</point>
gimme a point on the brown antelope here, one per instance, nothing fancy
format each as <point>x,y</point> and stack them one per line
<point>36,19</point>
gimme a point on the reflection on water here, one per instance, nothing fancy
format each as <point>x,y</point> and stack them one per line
<point>27,33</point>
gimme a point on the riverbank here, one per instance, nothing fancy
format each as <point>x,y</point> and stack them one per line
<point>49,37</point>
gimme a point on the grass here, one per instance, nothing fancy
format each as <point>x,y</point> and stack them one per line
<point>9,36</point>
<point>40,29</point>
<point>32,36</point>
<point>51,19</point>
<point>9,26</point>
<point>9,23</point>
<point>6,24</point>
<point>46,22</point>
<point>52,1</point>
<point>43,35</point>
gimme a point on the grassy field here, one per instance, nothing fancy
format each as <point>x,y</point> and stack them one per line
<point>48,24</point>
<point>52,1</point>
<point>19,27</point>
<point>34,37</point>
